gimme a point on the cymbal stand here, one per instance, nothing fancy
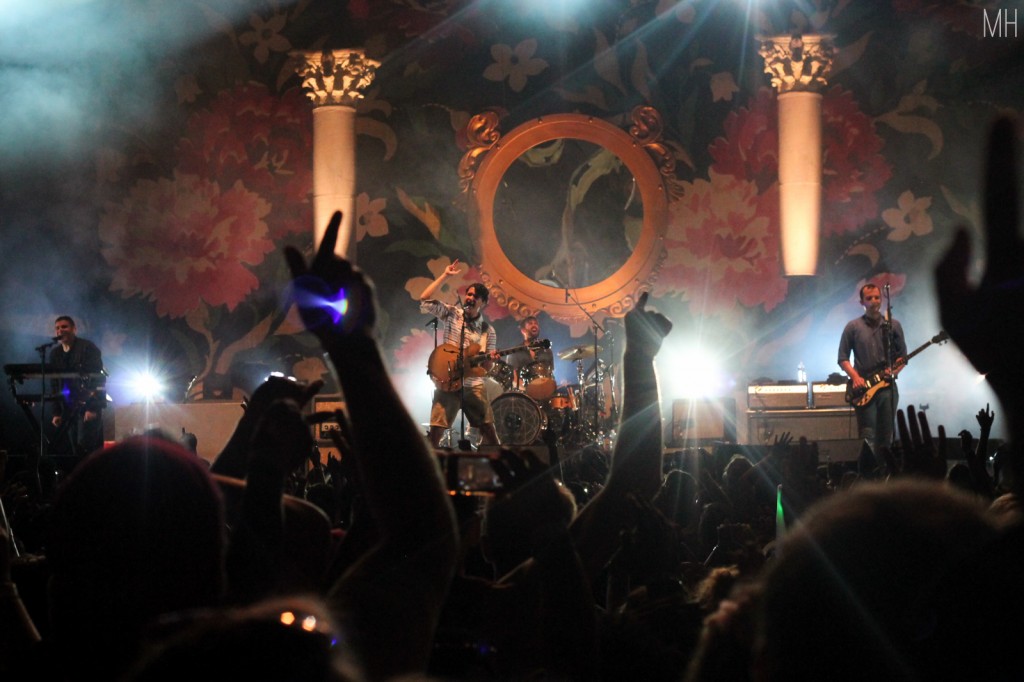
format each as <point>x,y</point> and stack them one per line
<point>613,413</point>
<point>592,435</point>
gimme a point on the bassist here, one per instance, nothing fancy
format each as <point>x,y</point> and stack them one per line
<point>464,326</point>
<point>875,342</point>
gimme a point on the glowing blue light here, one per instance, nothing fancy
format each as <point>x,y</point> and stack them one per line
<point>306,296</point>
<point>338,307</point>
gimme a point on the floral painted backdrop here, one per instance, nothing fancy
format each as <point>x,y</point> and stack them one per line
<point>166,217</point>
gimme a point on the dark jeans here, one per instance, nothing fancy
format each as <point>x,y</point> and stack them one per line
<point>876,419</point>
<point>83,437</point>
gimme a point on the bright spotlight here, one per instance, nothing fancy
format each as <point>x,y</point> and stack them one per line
<point>146,386</point>
<point>693,372</point>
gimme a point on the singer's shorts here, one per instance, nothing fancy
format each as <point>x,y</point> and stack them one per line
<point>446,406</point>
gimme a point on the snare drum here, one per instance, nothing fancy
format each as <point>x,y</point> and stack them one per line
<point>538,380</point>
<point>518,420</point>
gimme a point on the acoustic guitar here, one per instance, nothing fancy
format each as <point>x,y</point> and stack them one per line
<point>879,379</point>
<point>446,372</point>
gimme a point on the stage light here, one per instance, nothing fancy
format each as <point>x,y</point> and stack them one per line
<point>692,371</point>
<point>146,386</point>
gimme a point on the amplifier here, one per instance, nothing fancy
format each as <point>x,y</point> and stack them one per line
<point>699,421</point>
<point>327,403</point>
<point>824,424</point>
<point>828,395</point>
<point>776,396</point>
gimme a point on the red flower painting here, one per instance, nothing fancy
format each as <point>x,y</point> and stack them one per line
<point>185,241</point>
<point>263,140</point>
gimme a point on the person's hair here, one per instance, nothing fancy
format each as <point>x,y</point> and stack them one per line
<point>857,591</point>
<point>65,317</point>
<point>137,531</point>
<point>522,322</point>
<point>480,290</point>
<point>867,286</point>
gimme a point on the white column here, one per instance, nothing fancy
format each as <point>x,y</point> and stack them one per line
<point>798,65</point>
<point>333,80</point>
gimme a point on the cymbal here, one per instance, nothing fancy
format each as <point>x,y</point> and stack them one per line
<point>577,353</point>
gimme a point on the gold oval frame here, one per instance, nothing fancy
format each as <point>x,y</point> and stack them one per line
<point>615,295</point>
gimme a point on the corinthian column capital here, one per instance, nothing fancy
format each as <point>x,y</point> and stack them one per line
<point>336,76</point>
<point>797,62</point>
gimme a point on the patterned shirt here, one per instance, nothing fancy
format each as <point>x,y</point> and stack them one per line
<point>478,331</point>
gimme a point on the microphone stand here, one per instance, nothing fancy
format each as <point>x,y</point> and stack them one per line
<point>464,443</point>
<point>889,360</point>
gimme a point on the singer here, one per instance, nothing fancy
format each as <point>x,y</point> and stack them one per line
<point>82,406</point>
<point>464,327</point>
<point>878,347</point>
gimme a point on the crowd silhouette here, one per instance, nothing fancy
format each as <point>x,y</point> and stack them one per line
<point>146,563</point>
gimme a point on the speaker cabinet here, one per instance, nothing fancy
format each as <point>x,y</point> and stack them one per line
<point>700,421</point>
<point>819,425</point>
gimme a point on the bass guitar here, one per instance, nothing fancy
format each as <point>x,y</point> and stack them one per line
<point>446,372</point>
<point>880,379</point>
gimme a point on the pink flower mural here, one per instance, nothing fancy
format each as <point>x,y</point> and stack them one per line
<point>184,241</point>
<point>722,247</point>
<point>263,140</point>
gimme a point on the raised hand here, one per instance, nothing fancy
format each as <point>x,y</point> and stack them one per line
<point>781,444</point>
<point>282,441</point>
<point>920,454</point>
<point>966,444</point>
<point>334,299</point>
<point>277,387</point>
<point>453,269</point>
<point>985,418</point>
<point>645,329</point>
<point>985,320</point>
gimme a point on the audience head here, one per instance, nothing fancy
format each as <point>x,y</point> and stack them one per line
<point>677,497</point>
<point>137,532</point>
<point>510,522</point>
<point>286,639</point>
<point>855,594</point>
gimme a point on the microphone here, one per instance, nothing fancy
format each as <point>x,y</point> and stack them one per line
<point>567,294</point>
<point>433,321</point>
<point>54,339</point>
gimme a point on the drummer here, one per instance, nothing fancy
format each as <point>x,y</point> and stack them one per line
<point>529,327</point>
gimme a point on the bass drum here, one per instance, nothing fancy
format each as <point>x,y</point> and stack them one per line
<point>518,419</point>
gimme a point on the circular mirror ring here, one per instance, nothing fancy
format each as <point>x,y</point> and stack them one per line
<point>615,295</point>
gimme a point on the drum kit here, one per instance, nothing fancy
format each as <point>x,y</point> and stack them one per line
<point>580,413</point>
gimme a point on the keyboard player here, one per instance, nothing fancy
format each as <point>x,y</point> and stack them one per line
<point>84,400</point>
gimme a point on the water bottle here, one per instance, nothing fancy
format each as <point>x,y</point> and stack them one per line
<point>801,377</point>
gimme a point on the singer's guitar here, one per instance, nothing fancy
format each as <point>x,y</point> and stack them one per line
<point>446,373</point>
<point>879,379</point>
